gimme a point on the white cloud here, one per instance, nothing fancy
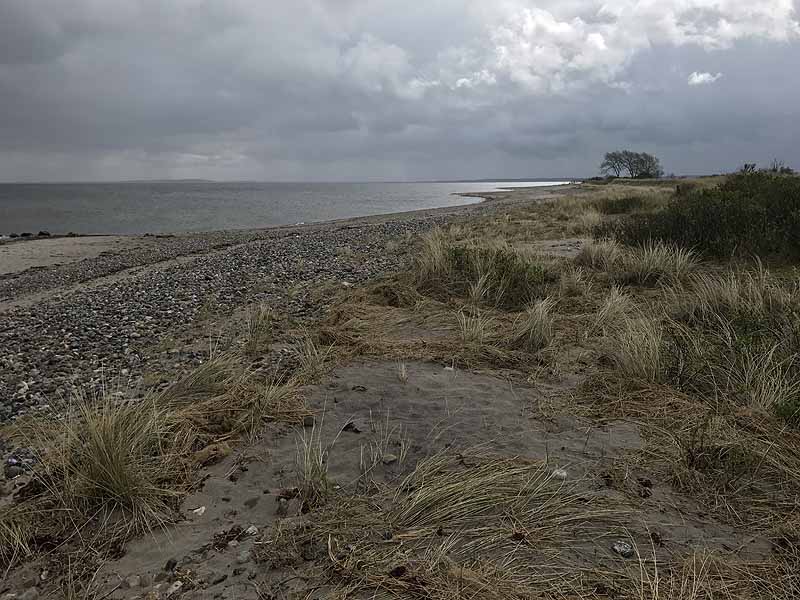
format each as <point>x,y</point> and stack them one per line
<point>703,78</point>
<point>556,46</point>
<point>238,86</point>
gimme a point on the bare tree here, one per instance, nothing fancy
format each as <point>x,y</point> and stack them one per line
<point>612,164</point>
<point>637,164</point>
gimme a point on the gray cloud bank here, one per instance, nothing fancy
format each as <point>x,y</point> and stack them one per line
<point>384,89</point>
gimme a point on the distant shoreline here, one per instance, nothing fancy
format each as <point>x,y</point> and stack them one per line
<point>7,237</point>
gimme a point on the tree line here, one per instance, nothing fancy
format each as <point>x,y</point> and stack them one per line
<point>637,164</point>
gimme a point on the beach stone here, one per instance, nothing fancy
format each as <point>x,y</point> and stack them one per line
<point>134,581</point>
<point>12,471</point>
<point>389,459</point>
<point>174,588</point>
<point>171,564</point>
<point>623,548</point>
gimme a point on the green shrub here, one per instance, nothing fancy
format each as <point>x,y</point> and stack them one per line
<point>755,213</point>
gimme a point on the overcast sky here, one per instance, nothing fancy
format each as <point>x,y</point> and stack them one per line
<point>392,89</point>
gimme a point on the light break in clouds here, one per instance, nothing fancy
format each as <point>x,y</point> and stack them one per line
<point>703,78</point>
<point>390,89</point>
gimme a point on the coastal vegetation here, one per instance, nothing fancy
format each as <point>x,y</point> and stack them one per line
<point>629,422</point>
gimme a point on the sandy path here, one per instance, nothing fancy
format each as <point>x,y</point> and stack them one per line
<point>19,256</point>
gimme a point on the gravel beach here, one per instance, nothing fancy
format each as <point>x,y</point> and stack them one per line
<point>112,315</point>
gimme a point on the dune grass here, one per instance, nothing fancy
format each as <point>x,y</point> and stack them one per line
<point>258,329</point>
<point>614,308</point>
<point>636,349</point>
<point>475,328</point>
<point>109,459</point>
<point>533,329</point>
<point>654,262</point>
<point>17,529</point>
<point>601,255</point>
<point>587,220</point>
<point>495,273</point>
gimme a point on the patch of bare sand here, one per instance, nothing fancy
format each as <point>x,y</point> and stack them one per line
<point>367,403</point>
<point>19,256</point>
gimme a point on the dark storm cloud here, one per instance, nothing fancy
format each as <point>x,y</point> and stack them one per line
<point>357,89</point>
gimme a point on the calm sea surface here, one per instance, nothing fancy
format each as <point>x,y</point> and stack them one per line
<point>199,206</point>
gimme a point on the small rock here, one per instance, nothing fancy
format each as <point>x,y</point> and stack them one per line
<point>252,530</point>
<point>44,234</point>
<point>134,581</point>
<point>199,511</point>
<point>174,588</point>
<point>13,471</point>
<point>623,548</point>
<point>308,421</point>
<point>233,544</point>
<point>351,427</point>
<point>388,459</point>
<point>244,557</point>
<point>170,566</point>
<point>559,474</point>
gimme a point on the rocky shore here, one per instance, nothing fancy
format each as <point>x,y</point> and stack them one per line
<point>113,317</point>
<point>104,330</point>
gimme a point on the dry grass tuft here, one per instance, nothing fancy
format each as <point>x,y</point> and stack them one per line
<point>276,401</point>
<point>656,261</point>
<point>614,309</point>
<point>601,255</point>
<point>258,329</point>
<point>586,221</point>
<point>431,261</point>
<point>533,330</point>
<point>493,272</point>
<point>760,380</point>
<point>312,467</point>
<point>465,525</point>
<point>119,463</point>
<point>17,528</point>
<point>751,301</point>
<point>402,372</point>
<point>212,378</point>
<point>477,328</point>
<point>574,282</point>
<point>636,350</point>
<point>313,358</point>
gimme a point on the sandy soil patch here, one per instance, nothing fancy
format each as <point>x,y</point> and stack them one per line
<point>20,256</point>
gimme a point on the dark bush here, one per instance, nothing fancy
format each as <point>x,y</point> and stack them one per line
<point>618,206</point>
<point>749,214</point>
